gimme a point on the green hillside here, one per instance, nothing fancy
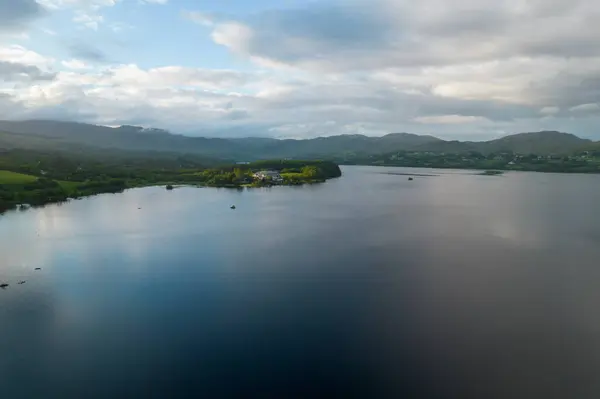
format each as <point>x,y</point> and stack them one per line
<point>7,177</point>
<point>80,137</point>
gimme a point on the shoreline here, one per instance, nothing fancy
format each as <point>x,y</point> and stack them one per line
<point>24,207</point>
<point>22,186</point>
<point>475,169</point>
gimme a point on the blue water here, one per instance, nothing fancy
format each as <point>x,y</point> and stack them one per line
<point>449,286</point>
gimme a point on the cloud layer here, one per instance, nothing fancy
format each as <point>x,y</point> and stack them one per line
<point>14,14</point>
<point>453,68</point>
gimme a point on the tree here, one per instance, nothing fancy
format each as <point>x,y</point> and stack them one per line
<point>239,174</point>
<point>310,171</point>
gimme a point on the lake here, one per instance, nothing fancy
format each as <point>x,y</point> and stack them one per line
<point>453,285</point>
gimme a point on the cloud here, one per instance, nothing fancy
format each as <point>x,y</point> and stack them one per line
<point>88,20</point>
<point>87,12</point>
<point>213,102</point>
<point>335,67</point>
<point>11,71</point>
<point>75,64</point>
<point>231,103</point>
<point>9,106</point>
<point>87,52</point>
<point>448,119</point>
<point>445,61</point>
<point>49,32</point>
<point>14,14</point>
<point>550,110</point>
<point>585,108</point>
<point>118,27</point>
<point>400,33</point>
<point>172,76</point>
<point>78,4</point>
<point>199,18</point>
<point>21,55</point>
<point>236,115</point>
<point>162,2</point>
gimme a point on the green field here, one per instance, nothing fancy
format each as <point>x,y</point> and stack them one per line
<point>68,186</point>
<point>7,177</point>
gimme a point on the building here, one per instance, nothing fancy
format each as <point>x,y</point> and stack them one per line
<point>269,175</point>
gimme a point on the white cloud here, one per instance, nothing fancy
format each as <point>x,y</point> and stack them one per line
<point>75,64</point>
<point>84,4</point>
<point>388,33</point>
<point>21,55</point>
<point>550,110</point>
<point>87,12</point>
<point>88,20</point>
<point>118,27</point>
<point>448,119</point>
<point>227,102</point>
<point>172,76</point>
<point>199,17</point>
<point>17,64</point>
<point>505,60</point>
<point>234,35</point>
<point>19,36</point>
<point>49,32</point>
<point>585,108</point>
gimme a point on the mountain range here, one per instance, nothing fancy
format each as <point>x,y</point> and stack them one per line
<point>71,136</point>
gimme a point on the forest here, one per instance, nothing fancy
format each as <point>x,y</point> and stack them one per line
<point>33,178</point>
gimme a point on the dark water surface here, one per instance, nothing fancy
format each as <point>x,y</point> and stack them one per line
<point>450,286</point>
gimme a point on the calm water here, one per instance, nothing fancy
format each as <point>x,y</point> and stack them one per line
<point>450,286</point>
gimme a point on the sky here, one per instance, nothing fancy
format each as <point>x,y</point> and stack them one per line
<point>456,69</point>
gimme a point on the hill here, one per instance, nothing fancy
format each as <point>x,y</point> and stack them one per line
<point>71,136</point>
<point>40,134</point>
<point>543,143</point>
<point>548,142</point>
<point>593,147</point>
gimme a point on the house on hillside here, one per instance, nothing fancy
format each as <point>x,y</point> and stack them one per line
<point>272,175</point>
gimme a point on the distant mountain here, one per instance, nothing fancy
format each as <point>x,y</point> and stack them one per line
<point>36,134</point>
<point>42,134</point>
<point>547,142</point>
<point>537,143</point>
<point>344,145</point>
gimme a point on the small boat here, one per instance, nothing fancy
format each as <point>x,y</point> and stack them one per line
<point>3,285</point>
<point>232,206</point>
<point>21,282</point>
<point>38,268</point>
<point>410,179</point>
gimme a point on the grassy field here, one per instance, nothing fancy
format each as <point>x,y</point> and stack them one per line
<point>68,186</point>
<point>7,177</point>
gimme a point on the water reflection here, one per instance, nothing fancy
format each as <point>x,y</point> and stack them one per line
<point>455,285</point>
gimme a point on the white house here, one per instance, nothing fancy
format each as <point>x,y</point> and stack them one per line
<point>269,174</point>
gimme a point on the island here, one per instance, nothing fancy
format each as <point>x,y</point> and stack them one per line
<point>28,178</point>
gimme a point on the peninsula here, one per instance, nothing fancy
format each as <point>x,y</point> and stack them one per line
<point>29,178</point>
